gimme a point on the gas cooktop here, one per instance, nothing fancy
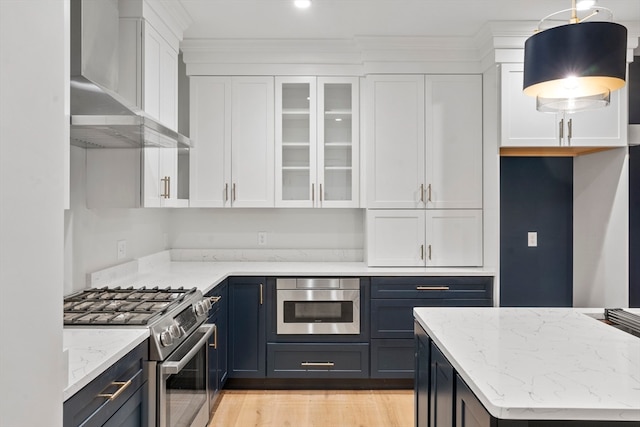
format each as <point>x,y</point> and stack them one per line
<point>123,306</point>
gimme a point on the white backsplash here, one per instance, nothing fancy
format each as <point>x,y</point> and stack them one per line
<point>273,255</point>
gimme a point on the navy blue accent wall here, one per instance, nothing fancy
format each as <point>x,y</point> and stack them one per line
<point>634,226</point>
<point>536,194</point>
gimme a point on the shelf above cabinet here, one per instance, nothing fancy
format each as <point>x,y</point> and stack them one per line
<point>550,151</point>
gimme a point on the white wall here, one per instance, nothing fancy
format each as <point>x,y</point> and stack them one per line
<point>285,228</point>
<point>33,133</point>
<point>601,229</point>
<point>91,235</point>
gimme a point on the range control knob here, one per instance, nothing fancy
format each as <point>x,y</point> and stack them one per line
<point>165,338</point>
<point>175,330</point>
<point>200,309</point>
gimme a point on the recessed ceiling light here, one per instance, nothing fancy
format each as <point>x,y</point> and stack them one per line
<point>302,4</point>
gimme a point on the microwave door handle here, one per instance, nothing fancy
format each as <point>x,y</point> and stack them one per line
<point>172,368</point>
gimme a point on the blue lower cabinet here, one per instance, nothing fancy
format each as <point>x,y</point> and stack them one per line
<point>116,398</point>
<point>392,358</point>
<point>247,333</point>
<point>317,360</point>
<point>422,382</point>
<point>442,392</point>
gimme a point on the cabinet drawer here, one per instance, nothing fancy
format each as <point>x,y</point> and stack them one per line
<point>392,358</point>
<point>393,318</point>
<point>88,408</point>
<point>317,360</point>
<point>441,287</point>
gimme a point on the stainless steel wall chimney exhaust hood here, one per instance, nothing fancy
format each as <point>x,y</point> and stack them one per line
<point>100,117</point>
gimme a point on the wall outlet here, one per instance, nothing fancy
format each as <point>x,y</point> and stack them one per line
<point>532,239</point>
<point>122,249</point>
<point>262,238</point>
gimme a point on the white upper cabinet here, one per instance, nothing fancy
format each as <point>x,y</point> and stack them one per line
<point>160,178</point>
<point>317,142</point>
<point>426,142</point>
<point>231,128</point>
<point>395,123</point>
<point>210,134</point>
<point>252,142</point>
<point>149,71</point>
<point>396,238</point>
<point>523,126</point>
<point>453,135</point>
<point>419,238</point>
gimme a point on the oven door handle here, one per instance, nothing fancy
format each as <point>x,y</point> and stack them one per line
<point>172,368</point>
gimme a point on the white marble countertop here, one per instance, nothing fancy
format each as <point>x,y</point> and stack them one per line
<point>94,350</point>
<point>206,275</point>
<point>538,363</point>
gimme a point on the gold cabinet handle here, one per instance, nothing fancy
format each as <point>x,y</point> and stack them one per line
<point>569,130</point>
<point>233,192</point>
<point>261,294</point>
<point>421,251</point>
<point>165,191</point>
<point>113,396</point>
<point>313,192</point>
<point>215,338</point>
<point>429,251</point>
<point>432,288</point>
<point>429,193</point>
<point>327,364</point>
<point>320,195</point>
<point>168,187</point>
<point>226,191</point>
<point>422,193</point>
<point>214,300</point>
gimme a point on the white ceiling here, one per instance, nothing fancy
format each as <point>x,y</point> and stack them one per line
<point>275,19</point>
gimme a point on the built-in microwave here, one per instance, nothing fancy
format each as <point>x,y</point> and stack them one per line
<point>318,306</point>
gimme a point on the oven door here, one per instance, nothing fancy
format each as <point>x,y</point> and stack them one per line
<point>183,395</point>
<point>333,312</point>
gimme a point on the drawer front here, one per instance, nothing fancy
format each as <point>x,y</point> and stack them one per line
<point>317,360</point>
<point>393,318</point>
<point>445,287</point>
<point>393,359</point>
<point>88,408</point>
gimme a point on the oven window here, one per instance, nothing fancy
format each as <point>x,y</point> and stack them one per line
<point>318,311</point>
<point>187,391</point>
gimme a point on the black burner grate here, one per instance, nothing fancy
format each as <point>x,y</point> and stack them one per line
<point>121,306</point>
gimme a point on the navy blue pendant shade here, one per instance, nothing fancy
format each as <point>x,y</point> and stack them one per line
<point>575,61</point>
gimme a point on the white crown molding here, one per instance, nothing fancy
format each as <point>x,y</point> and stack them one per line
<point>495,42</point>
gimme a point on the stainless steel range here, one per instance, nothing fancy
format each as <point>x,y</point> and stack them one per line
<point>178,343</point>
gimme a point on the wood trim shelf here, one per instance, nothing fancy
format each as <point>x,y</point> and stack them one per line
<point>550,151</point>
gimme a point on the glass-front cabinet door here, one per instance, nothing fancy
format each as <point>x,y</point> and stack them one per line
<point>317,142</point>
<point>338,142</point>
<point>295,141</point>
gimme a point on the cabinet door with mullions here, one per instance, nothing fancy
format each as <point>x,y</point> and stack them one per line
<point>295,141</point>
<point>338,142</point>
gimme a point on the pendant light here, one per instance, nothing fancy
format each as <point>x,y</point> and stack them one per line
<point>575,66</point>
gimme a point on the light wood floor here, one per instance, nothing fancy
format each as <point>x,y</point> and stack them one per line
<point>314,408</point>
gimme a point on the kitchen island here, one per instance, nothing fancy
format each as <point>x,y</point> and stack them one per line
<point>528,367</point>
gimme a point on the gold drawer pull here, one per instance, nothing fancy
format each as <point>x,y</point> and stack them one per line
<point>113,396</point>
<point>329,364</point>
<point>432,288</point>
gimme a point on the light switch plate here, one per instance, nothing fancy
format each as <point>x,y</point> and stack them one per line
<point>532,239</point>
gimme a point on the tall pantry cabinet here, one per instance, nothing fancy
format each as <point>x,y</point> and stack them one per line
<point>425,170</point>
